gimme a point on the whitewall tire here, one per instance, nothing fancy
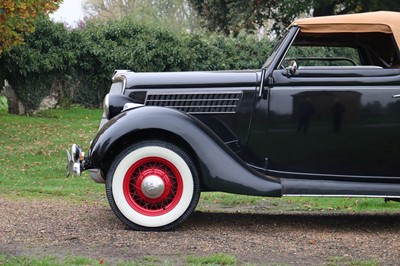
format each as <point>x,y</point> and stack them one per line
<point>153,185</point>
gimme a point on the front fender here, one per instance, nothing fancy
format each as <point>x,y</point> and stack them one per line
<point>220,168</point>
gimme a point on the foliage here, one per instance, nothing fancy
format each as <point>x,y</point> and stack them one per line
<point>3,105</point>
<point>214,259</point>
<point>18,16</point>
<point>335,7</point>
<point>338,260</point>
<point>232,16</point>
<point>175,14</point>
<point>48,260</point>
<point>78,63</point>
<point>33,67</point>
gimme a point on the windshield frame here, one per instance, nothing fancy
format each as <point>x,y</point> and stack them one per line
<point>281,48</point>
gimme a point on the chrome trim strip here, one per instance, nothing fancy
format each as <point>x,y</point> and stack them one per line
<point>193,100</point>
<point>261,89</point>
<point>288,47</point>
<point>129,106</point>
<point>338,196</point>
<point>257,168</point>
<point>195,93</point>
<point>97,176</point>
<point>202,106</point>
<point>326,175</point>
<point>206,113</point>
<point>120,78</point>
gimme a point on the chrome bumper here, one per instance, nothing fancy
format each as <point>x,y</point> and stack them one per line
<point>77,163</point>
<point>97,175</point>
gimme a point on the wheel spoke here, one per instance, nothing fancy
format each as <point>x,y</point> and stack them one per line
<point>160,171</point>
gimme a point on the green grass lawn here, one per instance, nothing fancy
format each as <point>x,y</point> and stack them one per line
<point>213,259</point>
<point>32,166</point>
<point>33,161</point>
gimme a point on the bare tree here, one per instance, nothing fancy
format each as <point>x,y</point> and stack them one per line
<point>176,14</point>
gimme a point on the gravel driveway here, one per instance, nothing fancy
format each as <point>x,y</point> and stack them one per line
<point>92,230</point>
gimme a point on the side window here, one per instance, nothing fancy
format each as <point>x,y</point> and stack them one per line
<point>324,56</point>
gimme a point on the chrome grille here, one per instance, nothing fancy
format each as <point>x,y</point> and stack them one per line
<point>198,103</point>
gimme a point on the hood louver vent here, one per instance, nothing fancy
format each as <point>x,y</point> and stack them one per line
<point>198,103</point>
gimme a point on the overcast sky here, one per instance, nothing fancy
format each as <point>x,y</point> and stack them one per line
<point>70,11</point>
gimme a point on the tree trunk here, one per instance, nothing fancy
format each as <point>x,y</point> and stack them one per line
<point>14,105</point>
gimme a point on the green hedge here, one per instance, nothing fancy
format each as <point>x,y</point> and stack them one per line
<point>78,63</point>
<point>3,105</point>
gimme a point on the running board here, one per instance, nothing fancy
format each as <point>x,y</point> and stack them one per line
<point>309,187</point>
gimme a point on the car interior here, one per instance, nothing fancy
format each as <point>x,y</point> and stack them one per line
<point>343,54</point>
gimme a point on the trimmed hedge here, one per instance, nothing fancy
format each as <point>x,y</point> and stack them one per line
<point>78,63</point>
<point>3,105</point>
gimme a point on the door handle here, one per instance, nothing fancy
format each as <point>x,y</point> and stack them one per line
<point>396,96</point>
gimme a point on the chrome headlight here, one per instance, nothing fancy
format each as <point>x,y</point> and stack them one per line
<point>106,106</point>
<point>114,104</point>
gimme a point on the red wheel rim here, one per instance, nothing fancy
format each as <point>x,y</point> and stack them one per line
<point>165,173</point>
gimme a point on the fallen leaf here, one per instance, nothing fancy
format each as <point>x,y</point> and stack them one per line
<point>312,242</point>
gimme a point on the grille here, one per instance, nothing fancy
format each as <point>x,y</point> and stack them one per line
<point>198,103</point>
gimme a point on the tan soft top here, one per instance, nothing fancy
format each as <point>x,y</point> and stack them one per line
<point>381,21</point>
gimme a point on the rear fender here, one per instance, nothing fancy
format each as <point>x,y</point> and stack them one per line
<point>220,168</point>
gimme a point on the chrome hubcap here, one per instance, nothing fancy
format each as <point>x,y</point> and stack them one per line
<point>153,186</point>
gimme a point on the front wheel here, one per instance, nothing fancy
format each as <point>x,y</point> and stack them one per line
<point>153,185</point>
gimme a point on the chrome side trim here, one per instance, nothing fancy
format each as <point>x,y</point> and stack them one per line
<point>261,90</point>
<point>130,106</point>
<point>119,77</point>
<point>327,176</point>
<point>118,71</point>
<point>339,188</point>
<point>339,196</point>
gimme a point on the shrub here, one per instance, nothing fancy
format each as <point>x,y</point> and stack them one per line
<point>32,68</point>
<point>78,63</point>
<point>3,105</point>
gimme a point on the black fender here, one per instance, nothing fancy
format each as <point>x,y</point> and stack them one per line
<point>220,168</point>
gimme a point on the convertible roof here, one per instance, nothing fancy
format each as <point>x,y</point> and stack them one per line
<point>382,21</point>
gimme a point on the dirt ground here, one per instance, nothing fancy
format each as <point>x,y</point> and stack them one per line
<point>43,228</point>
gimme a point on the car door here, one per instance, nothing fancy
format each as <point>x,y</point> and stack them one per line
<point>330,122</point>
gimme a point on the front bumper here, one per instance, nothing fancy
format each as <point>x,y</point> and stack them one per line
<point>77,163</point>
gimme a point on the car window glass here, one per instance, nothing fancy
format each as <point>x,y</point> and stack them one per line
<point>277,47</point>
<point>322,56</point>
<point>362,50</point>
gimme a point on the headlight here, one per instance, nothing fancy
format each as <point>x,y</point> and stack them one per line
<point>106,106</point>
<point>114,104</point>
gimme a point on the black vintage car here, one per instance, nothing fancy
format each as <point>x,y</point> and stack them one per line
<point>322,117</point>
